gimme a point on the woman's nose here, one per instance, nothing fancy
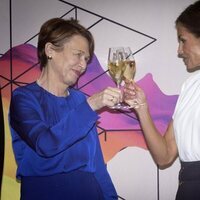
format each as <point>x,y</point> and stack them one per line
<point>83,63</point>
<point>180,51</point>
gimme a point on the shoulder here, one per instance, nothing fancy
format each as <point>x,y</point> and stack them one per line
<point>25,88</point>
<point>25,91</point>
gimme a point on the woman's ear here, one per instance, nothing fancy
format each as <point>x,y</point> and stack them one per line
<point>49,50</point>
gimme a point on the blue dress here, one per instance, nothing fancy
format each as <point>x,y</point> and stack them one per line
<point>56,146</point>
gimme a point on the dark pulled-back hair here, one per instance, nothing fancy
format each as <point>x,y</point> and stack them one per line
<point>190,18</point>
<point>58,31</point>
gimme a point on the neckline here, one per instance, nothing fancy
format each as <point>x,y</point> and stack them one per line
<point>51,94</point>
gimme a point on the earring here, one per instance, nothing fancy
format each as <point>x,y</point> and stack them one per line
<point>49,57</point>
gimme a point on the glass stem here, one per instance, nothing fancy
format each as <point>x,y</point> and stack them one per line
<point>118,84</point>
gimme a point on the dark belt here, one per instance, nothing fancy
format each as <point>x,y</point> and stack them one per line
<point>190,171</point>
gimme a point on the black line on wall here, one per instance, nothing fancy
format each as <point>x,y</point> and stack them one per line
<point>95,23</point>
<point>92,80</point>
<point>38,33</point>
<point>76,13</point>
<point>75,7</point>
<point>158,184</point>
<point>67,13</point>
<point>2,142</point>
<point>11,51</point>
<point>121,198</point>
<point>108,19</point>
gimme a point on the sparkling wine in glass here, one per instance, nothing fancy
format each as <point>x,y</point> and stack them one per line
<point>130,65</point>
<point>121,65</point>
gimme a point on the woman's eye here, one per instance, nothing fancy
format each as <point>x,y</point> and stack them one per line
<point>87,59</point>
<point>78,55</point>
<point>81,55</point>
<point>182,40</point>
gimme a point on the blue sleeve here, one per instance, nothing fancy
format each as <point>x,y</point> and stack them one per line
<point>103,177</point>
<point>48,140</point>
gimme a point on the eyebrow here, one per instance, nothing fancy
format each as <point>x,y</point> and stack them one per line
<point>79,50</point>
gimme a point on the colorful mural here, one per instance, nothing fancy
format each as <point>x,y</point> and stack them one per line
<point>117,129</point>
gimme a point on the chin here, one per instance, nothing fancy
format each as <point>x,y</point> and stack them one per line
<point>193,69</point>
<point>72,83</point>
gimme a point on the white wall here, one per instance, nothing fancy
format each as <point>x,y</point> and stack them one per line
<point>132,170</point>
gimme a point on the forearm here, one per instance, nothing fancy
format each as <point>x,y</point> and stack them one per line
<point>156,143</point>
<point>163,148</point>
<point>48,137</point>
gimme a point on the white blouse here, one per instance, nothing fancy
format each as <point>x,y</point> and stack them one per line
<point>186,119</point>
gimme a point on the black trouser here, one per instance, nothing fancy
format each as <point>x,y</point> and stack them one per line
<point>189,181</point>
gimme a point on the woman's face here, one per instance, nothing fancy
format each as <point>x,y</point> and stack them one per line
<point>189,48</point>
<point>69,63</point>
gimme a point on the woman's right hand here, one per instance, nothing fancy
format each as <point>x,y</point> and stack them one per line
<point>134,96</point>
<point>107,97</point>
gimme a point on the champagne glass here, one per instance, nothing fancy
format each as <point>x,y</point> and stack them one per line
<point>121,65</point>
<point>130,68</point>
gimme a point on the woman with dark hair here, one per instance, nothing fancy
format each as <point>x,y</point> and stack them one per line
<point>53,126</point>
<point>182,138</point>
